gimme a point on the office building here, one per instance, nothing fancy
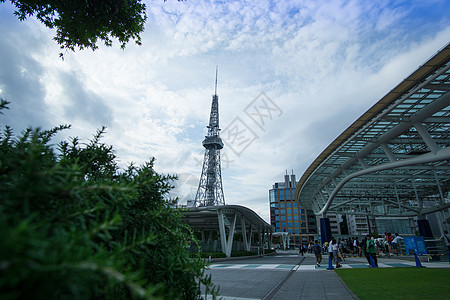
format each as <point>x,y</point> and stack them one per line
<point>287,216</point>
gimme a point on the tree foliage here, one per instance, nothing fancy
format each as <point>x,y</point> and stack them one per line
<point>80,24</point>
<point>73,226</point>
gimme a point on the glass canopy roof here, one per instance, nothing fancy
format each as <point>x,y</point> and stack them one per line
<point>395,159</point>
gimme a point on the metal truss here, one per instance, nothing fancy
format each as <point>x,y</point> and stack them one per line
<point>394,160</point>
<point>210,190</point>
<point>228,220</point>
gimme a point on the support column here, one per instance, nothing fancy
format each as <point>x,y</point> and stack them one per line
<point>231,236</point>
<point>424,227</point>
<point>222,235</point>
<point>325,230</point>
<point>244,234</point>
<point>250,238</point>
<point>425,231</point>
<point>270,240</point>
<point>261,238</point>
<point>227,243</point>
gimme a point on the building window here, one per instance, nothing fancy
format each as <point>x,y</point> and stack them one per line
<point>281,205</point>
<point>283,224</point>
<point>295,211</point>
<point>295,218</point>
<point>281,194</point>
<point>302,218</point>
<point>290,231</point>
<point>282,212</point>
<point>288,211</point>
<point>276,211</point>
<point>289,224</point>
<point>273,196</point>
<point>296,224</point>
<point>289,218</point>
<point>297,231</point>
<point>288,204</point>
<point>283,218</point>
<point>302,211</point>
<point>294,204</point>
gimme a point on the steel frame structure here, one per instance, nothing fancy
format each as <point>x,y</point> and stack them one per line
<point>229,220</point>
<point>394,160</point>
<point>210,190</point>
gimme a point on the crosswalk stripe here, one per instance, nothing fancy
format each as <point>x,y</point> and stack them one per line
<point>322,267</point>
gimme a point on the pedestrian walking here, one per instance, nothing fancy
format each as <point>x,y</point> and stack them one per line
<point>371,250</point>
<point>356,246</point>
<point>446,238</point>
<point>317,252</point>
<point>302,250</point>
<point>395,243</point>
<point>364,248</point>
<point>334,250</point>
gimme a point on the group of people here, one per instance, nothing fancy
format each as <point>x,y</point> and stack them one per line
<point>368,247</point>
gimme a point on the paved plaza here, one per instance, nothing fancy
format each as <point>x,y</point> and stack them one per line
<point>286,275</point>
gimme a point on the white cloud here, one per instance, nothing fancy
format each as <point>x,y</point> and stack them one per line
<point>322,62</point>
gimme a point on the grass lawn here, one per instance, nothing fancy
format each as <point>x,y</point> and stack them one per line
<point>398,283</point>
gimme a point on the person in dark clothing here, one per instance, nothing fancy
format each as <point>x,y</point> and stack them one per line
<point>302,250</point>
<point>371,250</point>
<point>318,253</point>
<point>364,249</point>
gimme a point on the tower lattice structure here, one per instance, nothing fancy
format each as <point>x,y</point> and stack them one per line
<point>210,191</point>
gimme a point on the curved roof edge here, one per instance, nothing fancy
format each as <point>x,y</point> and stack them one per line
<point>436,61</point>
<point>249,214</point>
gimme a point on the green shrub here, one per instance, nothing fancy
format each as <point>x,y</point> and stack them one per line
<point>243,253</point>
<point>73,226</point>
<point>213,254</point>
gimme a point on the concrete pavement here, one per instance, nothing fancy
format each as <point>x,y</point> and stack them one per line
<point>277,277</point>
<point>286,275</point>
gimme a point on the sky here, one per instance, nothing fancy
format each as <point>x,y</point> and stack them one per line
<point>292,76</point>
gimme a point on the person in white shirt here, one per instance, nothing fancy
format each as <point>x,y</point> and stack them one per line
<point>395,243</point>
<point>333,250</point>
<point>446,238</point>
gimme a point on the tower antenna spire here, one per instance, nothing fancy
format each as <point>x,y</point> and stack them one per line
<point>215,88</point>
<point>210,190</point>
